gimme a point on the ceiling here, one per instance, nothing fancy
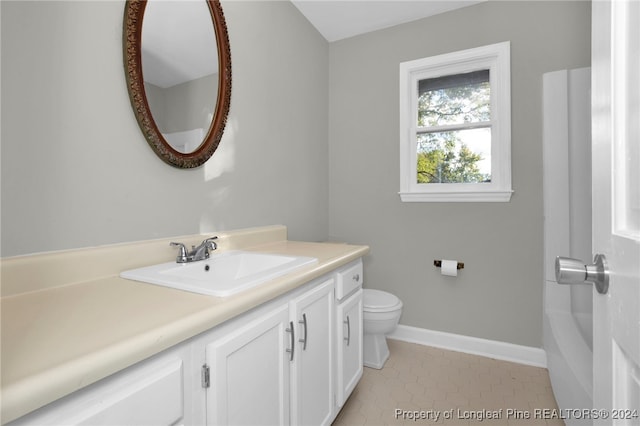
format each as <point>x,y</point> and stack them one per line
<point>339,19</point>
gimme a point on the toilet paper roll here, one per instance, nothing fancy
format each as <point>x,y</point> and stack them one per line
<point>449,268</point>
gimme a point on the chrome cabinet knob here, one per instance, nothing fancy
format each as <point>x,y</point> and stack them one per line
<point>574,271</point>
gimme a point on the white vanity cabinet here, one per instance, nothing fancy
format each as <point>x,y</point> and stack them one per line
<point>292,360</point>
<point>349,331</point>
<point>278,368</point>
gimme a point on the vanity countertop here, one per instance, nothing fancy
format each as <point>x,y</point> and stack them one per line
<point>56,340</point>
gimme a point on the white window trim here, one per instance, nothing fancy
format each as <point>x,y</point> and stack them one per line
<point>496,58</point>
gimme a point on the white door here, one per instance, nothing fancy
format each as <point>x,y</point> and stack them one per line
<point>312,375</point>
<point>616,207</point>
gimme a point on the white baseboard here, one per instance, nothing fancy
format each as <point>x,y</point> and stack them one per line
<point>472,345</point>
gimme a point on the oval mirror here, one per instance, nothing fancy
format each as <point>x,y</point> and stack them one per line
<point>178,71</point>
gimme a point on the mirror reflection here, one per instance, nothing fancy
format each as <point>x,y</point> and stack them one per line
<point>180,69</point>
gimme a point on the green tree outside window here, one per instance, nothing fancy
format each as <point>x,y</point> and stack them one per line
<point>443,155</point>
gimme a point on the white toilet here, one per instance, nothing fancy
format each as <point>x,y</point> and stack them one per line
<point>381,312</point>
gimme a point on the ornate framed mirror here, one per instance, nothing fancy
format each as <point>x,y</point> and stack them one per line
<point>178,70</point>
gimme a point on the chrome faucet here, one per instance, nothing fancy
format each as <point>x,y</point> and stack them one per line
<point>197,253</point>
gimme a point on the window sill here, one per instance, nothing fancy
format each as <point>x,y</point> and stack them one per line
<point>457,197</point>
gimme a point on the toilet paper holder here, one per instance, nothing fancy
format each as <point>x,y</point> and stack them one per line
<point>438,264</point>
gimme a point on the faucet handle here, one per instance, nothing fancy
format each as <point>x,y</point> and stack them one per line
<point>210,243</point>
<point>182,253</point>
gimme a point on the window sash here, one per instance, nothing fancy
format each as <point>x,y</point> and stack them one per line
<point>453,127</point>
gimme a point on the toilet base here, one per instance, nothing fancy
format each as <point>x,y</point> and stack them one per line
<point>376,350</point>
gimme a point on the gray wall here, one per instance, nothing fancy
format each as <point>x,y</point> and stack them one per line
<point>77,172</point>
<point>498,295</point>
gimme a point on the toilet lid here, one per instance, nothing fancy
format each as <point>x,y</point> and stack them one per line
<point>377,299</point>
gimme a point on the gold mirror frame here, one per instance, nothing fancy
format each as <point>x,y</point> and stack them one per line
<point>133,16</point>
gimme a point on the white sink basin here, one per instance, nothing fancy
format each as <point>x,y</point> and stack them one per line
<point>221,275</point>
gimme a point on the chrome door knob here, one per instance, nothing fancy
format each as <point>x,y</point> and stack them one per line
<point>574,271</point>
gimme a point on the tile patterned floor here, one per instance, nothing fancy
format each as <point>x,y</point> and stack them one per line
<point>424,385</point>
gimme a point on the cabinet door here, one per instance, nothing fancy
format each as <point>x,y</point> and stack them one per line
<point>148,393</point>
<point>349,344</point>
<point>250,373</point>
<point>312,370</point>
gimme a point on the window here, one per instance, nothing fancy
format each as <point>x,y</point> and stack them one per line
<point>455,126</point>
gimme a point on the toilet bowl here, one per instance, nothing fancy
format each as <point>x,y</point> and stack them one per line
<point>381,313</point>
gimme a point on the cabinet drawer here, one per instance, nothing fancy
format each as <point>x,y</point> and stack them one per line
<point>348,279</point>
